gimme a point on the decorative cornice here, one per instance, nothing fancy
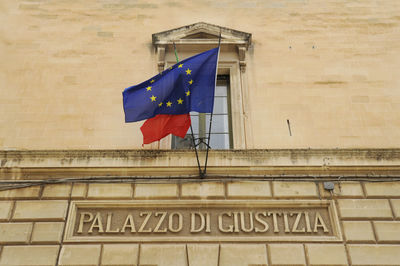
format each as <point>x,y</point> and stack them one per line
<point>182,35</point>
<point>295,162</point>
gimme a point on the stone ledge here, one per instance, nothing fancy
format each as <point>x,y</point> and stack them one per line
<point>54,163</point>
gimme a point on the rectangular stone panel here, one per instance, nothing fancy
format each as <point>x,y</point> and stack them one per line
<point>202,221</point>
<point>29,255</point>
<point>12,233</point>
<point>374,254</point>
<point>364,208</point>
<point>50,210</point>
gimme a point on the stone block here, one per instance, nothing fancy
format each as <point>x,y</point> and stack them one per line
<point>149,191</point>
<point>387,231</point>
<point>358,231</point>
<point>326,254</point>
<point>396,207</point>
<point>344,189</point>
<point>84,255</point>
<point>51,210</point>
<point>120,254</point>
<point>287,254</point>
<point>163,255</point>
<point>204,254</point>
<point>79,191</point>
<point>13,233</point>
<point>29,255</point>
<point>56,191</point>
<point>21,193</point>
<point>5,210</point>
<point>243,255</point>
<point>47,232</point>
<point>374,254</point>
<point>364,208</point>
<point>251,189</point>
<point>387,189</point>
<point>110,191</point>
<point>203,190</point>
<point>295,189</point>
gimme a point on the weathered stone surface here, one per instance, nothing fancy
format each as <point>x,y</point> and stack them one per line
<point>120,254</point>
<point>386,189</point>
<point>40,210</point>
<point>79,255</point>
<point>12,233</point>
<point>29,255</point>
<point>56,191</point>
<point>163,255</point>
<point>79,191</point>
<point>5,210</point>
<point>203,190</point>
<point>358,231</point>
<point>110,191</point>
<point>396,207</point>
<point>295,189</point>
<point>387,231</point>
<point>243,255</point>
<point>364,208</point>
<point>326,254</point>
<point>287,254</point>
<point>21,193</point>
<point>203,254</point>
<point>343,189</point>
<point>47,232</point>
<point>143,191</point>
<point>251,189</point>
<point>374,254</point>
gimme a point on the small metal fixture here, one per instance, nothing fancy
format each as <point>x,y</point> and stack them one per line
<point>288,124</point>
<point>329,186</point>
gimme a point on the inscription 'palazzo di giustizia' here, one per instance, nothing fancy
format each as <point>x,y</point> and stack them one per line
<point>147,221</point>
<point>225,222</point>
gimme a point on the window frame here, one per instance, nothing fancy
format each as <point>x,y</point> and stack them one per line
<point>232,62</point>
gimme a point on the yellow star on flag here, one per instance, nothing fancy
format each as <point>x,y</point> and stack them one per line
<point>187,93</point>
<point>188,71</point>
<point>153,98</point>
<point>180,101</point>
<point>160,104</point>
<point>180,66</point>
<point>152,81</point>
<point>148,88</point>
<point>169,104</point>
<point>191,81</point>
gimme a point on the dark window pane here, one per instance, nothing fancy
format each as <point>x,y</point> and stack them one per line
<point>195,124</point>
<point>183,143</point>
<point>220,105</point>
<point>219,141</point>
<point>220,124</point>
<point>221,91</point>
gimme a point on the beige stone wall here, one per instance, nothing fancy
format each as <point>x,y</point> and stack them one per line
<point>330,67</point>
<point>32,222</point>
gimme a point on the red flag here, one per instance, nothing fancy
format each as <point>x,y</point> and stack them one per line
<point>161,126</point>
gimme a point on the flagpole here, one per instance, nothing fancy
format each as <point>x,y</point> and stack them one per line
<point>191,128</point>
<point>203,174</point>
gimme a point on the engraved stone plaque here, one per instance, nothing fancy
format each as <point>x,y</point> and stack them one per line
<point>202,221</point>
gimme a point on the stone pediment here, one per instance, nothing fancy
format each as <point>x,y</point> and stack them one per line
<point>202,33</point>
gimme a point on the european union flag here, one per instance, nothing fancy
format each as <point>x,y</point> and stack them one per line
<point>187,86</point>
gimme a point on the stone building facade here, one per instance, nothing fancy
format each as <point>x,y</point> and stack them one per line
<point>311,176</point>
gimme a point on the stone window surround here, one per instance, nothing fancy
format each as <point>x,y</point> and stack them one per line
<point>234,42</point>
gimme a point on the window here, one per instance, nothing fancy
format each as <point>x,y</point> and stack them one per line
<point>221,127</point>
<point>231,126</point>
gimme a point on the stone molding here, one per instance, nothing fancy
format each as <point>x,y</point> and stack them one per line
<point>370,162</point>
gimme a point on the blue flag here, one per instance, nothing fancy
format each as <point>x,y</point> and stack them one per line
<point>187,86</point>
